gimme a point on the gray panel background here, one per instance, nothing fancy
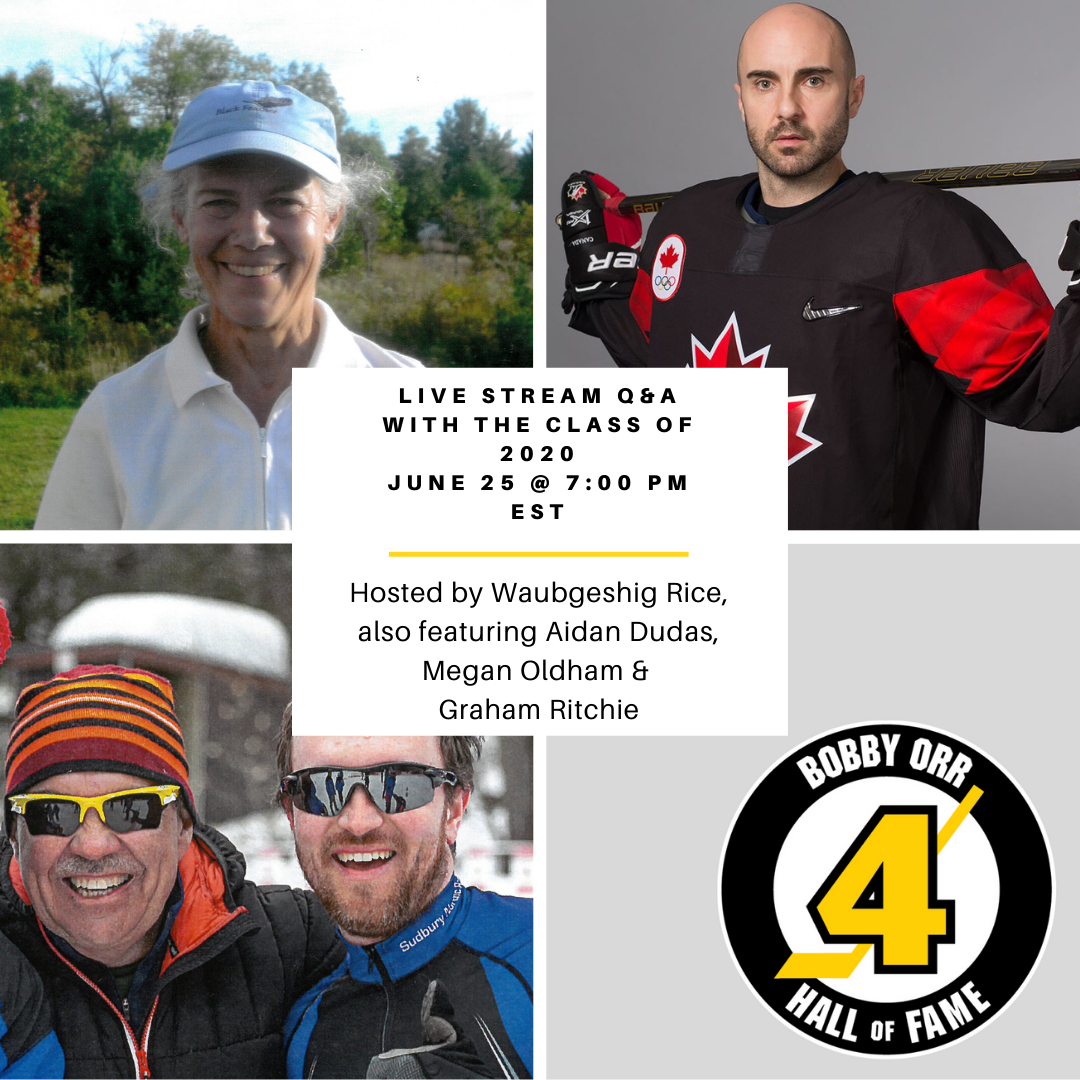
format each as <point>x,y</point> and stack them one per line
<point>642,92</point>
<point>640,981</point>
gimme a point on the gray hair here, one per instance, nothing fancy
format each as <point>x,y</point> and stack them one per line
<point>164,199</point>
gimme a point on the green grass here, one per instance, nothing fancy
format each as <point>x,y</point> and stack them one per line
<point>30,439</point>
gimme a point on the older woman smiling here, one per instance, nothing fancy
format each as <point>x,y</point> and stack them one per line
<point>198,435</point>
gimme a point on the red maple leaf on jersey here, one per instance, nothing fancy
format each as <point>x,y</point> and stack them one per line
<point>799,444</point>
<point>669,258</point>
<point>727,350</point>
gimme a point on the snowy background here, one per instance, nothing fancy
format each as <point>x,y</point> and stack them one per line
<point>215,620</point>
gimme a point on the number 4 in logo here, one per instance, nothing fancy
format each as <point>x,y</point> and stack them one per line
<point>884,891</point>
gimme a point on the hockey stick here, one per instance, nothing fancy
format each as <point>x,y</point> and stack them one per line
<point>963,176</point>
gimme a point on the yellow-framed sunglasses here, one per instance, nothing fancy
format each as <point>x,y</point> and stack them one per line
<point>47,814</point>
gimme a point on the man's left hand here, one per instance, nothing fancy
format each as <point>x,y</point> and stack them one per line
<point>1069,259</point>
<point>448,1051</point>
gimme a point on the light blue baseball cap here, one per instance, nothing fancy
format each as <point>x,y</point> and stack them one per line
<point>256,117</point>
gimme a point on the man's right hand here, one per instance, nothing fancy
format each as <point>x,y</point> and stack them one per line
<point>601,244</point>
<point>448,1051</point>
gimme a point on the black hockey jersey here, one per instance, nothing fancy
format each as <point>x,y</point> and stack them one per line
<point>904,316</point>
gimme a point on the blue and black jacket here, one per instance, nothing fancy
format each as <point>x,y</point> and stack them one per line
<point>476,945</point>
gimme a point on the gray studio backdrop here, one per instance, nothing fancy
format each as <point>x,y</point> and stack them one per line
<point>640,982</point>
<point>642,92</point>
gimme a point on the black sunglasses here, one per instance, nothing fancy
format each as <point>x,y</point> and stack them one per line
<point>395,787</point>
<point>46,814</point>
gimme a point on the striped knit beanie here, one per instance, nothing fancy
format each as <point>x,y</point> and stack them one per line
<point>97,719</point>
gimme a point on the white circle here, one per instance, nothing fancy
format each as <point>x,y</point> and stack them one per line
<point>967,874</point>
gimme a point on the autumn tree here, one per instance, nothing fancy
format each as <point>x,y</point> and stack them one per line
<point>19,243</point>
<point>43,143</point>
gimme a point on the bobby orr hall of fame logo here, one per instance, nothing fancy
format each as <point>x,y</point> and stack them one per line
<point>886,889</point>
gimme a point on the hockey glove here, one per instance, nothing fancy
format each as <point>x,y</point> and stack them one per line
<point>1069,259</point>
<point>601,244</point>
<point>447,1050</point>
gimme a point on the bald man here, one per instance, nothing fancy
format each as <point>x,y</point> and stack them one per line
<point>797,91</point>
<point>903,314</point>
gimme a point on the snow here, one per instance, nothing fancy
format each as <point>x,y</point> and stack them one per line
<point>266,841</point>
<point>215,632</point>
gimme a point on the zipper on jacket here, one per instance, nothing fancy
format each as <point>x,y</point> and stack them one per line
<point>387,985</point>
<point>263,434</point>
<point>144,1048</point>
<point>138,1054</point>
<point>138,1057</point>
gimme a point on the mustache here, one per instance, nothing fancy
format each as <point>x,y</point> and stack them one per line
<point>345,836</point>
<point>790,129</point>
<point>77,866</point>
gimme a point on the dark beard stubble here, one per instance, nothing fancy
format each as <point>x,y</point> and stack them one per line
<point>823,147</point>
<point>359,909</point>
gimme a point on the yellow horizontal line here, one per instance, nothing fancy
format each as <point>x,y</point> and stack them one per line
<point>538,554</point>
<point>836,965</point>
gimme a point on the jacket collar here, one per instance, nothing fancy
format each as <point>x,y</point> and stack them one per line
<point>750,197</point>
<point>421,941</point>
<point>186,365</point>
<point>208,906</point>
<point>336,342</point>
<point>189,371</point>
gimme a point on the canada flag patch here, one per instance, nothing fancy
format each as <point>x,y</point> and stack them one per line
<point>667,267</point>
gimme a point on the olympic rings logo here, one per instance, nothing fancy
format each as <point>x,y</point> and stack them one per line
<point>664,282</point>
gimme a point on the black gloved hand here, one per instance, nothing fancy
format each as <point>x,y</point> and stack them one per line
<point>1069,259</point>
<point>601,244</point>
<point>447,1050</point>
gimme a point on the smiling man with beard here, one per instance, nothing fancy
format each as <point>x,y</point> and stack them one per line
<point>158,957</point>
<point>438,976</point>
